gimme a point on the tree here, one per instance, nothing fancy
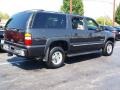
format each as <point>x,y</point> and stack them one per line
<point>77,7</point>
<point>104,21</point>
<point>4,15</point>
<point>117,14</point>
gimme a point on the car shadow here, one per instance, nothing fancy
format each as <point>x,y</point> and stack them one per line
<point>28,64</point>
<point>81,58</point>
<point>2,51</point>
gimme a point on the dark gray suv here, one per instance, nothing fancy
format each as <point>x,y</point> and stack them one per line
<point>51,36</point>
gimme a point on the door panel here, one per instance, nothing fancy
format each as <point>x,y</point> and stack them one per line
<point>80,36</point>
<point>79,41</point>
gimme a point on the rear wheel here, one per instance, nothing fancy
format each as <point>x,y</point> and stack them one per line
<point>56,57</point>
<point>108,48</point>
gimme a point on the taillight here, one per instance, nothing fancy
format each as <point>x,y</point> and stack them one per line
<point>28,39</point>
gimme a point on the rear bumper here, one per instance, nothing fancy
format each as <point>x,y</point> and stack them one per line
<point>36,51</point>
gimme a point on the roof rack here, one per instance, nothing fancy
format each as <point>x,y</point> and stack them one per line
<point>45,11</point>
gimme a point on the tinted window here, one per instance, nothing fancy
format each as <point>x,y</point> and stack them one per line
<point>18,21</point>
<point>91,24</point>
<point>77,23</point>
<point>117,28</point>
<point>48,20</point>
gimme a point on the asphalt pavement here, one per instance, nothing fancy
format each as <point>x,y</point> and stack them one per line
<point>87,72</point>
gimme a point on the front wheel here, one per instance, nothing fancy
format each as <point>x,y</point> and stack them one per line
<point>56,57</point>
<point>108,48</point>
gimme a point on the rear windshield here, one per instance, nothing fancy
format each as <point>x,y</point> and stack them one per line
<point>50,21</point>
<point>18,21</point>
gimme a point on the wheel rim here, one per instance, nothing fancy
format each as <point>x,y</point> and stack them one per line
<point>109,48</point>
<point>57,57</point>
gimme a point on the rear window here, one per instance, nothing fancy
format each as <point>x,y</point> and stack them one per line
<point>18,21</point>
<point>49,20</point>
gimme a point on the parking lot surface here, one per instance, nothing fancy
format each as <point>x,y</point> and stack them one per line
<point>87,72</point>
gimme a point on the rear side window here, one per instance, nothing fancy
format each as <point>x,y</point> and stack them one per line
<point>50,21</point>
<point>78,23</point>
<point>18,21</point>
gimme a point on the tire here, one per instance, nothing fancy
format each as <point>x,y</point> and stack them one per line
<point>108,48</point>
<point>56,57</point>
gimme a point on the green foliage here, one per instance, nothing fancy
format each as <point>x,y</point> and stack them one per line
<point>117,15</point>
<point>104,21</point>
<point>77,7</point>
<point>4,15</point>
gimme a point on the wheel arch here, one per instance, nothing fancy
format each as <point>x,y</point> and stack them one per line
<point>110,39</point>
<point>62,43</point>
<point>52,43</point>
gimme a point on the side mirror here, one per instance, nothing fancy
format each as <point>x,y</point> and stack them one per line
<point>101,28</point>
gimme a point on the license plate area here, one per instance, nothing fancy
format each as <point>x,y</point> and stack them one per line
<point>14,49</point>
<point>8,47</point>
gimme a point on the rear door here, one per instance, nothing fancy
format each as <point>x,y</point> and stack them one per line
<point>16,27</point>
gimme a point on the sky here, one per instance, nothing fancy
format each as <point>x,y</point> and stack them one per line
<point>92,8</point>
<point>13,6</point>
<point>97,8</point>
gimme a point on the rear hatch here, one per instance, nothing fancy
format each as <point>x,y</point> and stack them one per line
<point>16,27</point>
